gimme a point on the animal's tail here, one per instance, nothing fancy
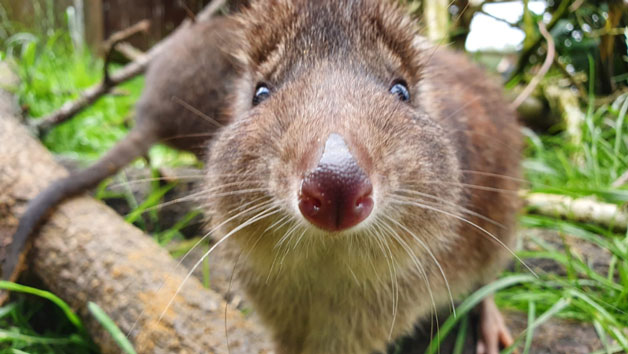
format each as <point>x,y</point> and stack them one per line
<point>135,144</point>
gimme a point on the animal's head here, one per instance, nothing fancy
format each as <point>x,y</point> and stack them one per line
<point>330,142</point>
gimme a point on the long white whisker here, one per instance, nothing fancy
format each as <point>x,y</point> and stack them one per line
<point>277,249</point>
<point>472,186</point>
<point>238,192</point>
<point>259,238</point>
<point>286,235</point>
<point>463,209</point>
<point>252,209</point>
<point>429,251</point>
<point>197,194</point>
<point>420,268</point>
<point>299,238</point>
<point>287,247</point>
<point>207,234</point>
<point>154,179</point>
<point>279,223</point>
<point>197,112</point>
<point>465,105</point>
<point>490,174</point>
<point>252,220</point>
<point>500,242</point>
<point>393,277</point>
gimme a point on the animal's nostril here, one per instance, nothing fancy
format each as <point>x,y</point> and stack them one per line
<point>309,204</point>
<point>337,194</point>
<point>363,201</point>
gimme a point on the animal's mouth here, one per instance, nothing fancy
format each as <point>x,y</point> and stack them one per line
<point>337,194</point>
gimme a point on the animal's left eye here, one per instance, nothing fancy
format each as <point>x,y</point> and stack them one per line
<point>262,92</point>
<point>400,88</point>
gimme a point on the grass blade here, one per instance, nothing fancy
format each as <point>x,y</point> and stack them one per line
<point>72,317</point>
<point>471,302</point>
<point>110,326</point>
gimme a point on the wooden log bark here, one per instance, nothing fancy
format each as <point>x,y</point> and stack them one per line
<point>86,252</point>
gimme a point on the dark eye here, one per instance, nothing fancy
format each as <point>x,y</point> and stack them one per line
<point>400,88</point>
<point>262,92</point>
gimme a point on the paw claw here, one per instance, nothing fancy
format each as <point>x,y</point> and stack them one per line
<point>480,348</point>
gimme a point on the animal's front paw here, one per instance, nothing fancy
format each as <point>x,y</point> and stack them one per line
<point>493,331</point>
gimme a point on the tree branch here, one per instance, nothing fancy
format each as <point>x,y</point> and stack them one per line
<point>110,45</point>
<point>131,70</point>
<point>528,51</point>
<point>497,18</point>
<point>129,51</point>
<point>547,64</point>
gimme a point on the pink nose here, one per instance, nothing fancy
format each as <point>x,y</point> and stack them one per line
<point>336,195</point>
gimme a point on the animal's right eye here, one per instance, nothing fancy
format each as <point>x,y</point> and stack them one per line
<point>400,89</point>
<point>262,92</point>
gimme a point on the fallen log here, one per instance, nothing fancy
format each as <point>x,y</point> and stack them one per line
<point>86,252</point>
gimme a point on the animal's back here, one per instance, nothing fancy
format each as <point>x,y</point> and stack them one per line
<point>188,85</point>
<point>485,131</point>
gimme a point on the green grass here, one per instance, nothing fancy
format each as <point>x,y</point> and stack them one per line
<point>555,165</point>
<point>53,73</point>
<point>26,325</point>
<point>63,330</point>
<point>119,337</point>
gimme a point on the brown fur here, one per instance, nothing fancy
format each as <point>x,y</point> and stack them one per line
<point>329,65</point>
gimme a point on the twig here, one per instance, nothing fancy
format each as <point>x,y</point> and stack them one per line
<point>116,38</point>
<point>129,51</point>
<point>579,209</point>
<point>617,31</point>
<point>462,12</point>
<point>90,95</point>
<point>208,11</point>
<point>547,64</point>
<point>129,71</point>
<point>497,18</point>
<point>612,97</point>
<point>623,179</point>
<point>188,11</point>
<point>527,52</point>
<point>576,5</point>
